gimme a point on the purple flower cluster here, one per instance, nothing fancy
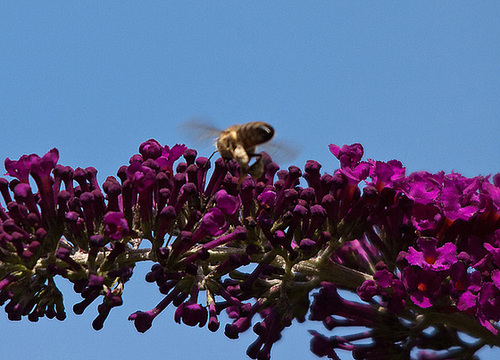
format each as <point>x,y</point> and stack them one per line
<point>422,251</point>
<point>431,242</point>
<point>60,229</point>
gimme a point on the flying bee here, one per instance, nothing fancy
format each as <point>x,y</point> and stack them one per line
<point>239,142</point>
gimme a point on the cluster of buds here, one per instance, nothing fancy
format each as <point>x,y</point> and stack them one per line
<point>422,251</point>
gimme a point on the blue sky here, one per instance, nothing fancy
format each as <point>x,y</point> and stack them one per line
<point>418,82</point>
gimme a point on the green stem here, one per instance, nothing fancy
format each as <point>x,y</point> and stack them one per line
<point>464,323</point>
<point>131,256</point>
<point>335,273</point>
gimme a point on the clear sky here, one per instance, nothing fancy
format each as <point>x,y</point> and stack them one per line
<point>414,81</point>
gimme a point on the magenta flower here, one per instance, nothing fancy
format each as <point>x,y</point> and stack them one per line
<point>392,290</point>
<point>267,198</point>
<point>227,203</point>
<point>191,314</point>
<point>151,149</point>
<point>423,187</point>
<point>424,286</point>
<point>348,155</point>
<point>467,300</point>
<point>460,197</point>
<point>19,169</point>
<point>322,346</point>
<point>431,257</point>
<point>463,279</point>
<point>143,320</point>
<point>116,227</point>
<point>386,173</point>
<point>493,252</point>
<point>169,156</point>
<point>212,224</point>
<point>488,306</point>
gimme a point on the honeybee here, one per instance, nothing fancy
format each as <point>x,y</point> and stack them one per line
<point>238,142</point>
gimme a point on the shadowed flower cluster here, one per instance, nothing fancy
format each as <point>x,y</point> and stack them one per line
<point>422,251</point>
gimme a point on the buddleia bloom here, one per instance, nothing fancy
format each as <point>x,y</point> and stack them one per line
<point>421,250</point>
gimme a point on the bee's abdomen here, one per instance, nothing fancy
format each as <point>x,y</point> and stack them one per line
<point>255,133</point>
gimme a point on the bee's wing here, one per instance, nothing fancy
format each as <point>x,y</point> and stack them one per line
<point>200,131</point>
<point>280,150</point>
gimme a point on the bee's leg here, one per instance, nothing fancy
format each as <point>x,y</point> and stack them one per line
<point>241,156</point>
<point>256,170</point>
<point>257,155</point>
<point>207,164</point>
<point>215,151</point>
<point>240,179</point>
